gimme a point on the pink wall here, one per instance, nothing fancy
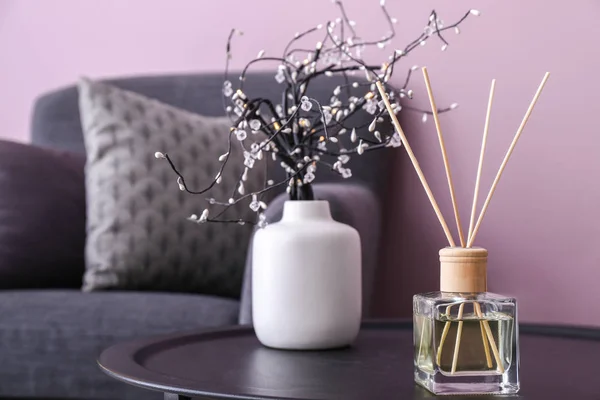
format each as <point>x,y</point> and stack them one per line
<point>541,228</point>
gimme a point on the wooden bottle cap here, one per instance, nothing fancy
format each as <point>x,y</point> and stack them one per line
<point>463,270</point>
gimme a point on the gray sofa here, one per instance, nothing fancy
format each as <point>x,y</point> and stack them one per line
<point>50,338</point>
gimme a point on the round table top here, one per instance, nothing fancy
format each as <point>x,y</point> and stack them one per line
<point>556,363</point>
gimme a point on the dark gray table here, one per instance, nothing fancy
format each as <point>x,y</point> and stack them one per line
<point>556,363</point>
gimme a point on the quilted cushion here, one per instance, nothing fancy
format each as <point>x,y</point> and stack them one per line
<point>50,340</point>
<point>138,235</point>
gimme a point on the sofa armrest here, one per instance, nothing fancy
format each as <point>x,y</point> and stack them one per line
<point>351,204</point>
<point>42,217</point>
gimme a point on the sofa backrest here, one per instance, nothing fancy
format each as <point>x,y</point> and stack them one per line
<point>56,123</point>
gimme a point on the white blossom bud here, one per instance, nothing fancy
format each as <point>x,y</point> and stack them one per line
<point>342,131</point>
<point>344,158</point>
<point>337,91</point>
<point>158,154</point>
<point>395,141</point>
<point>219,179</point>
<point>254,124</point>
<point>245,174</point>
<point>399,52</point>
<point>414,67</point>
<point>457,30</point>
<point>353,136</point>
<point>241,190</point>
<point>424,118</point>
<point>377,135</point>
<point>260,54</point>
<point>360,149</point>
<point>372,125</point>
<point>231,201</point>
<point>204,215</point>
<point>453,106</point>
<point>193,217</point>
<point>223,156</point>
<point>270,182</point>
<point>180,183</point>
<point>240,134</point>
<point>444,47</point>
<point>476,13</point>
<point>333,139</point>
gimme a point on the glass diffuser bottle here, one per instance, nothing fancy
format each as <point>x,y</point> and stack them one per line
<point>465,339</point>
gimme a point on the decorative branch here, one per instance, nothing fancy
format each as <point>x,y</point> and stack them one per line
<point>300,130</point>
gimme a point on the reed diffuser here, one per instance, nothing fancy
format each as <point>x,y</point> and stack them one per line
<point>466,339</point>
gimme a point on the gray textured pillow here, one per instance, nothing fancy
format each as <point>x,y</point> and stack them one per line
<point>138,237</point>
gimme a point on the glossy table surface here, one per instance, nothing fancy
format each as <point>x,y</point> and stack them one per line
<point>556,363</point>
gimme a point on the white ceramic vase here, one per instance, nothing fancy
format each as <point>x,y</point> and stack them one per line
<point>306,280</point>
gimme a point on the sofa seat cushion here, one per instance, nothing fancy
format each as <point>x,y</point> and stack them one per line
<point>50,340</point>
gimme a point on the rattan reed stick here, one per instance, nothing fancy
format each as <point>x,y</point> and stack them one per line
<point>443,338</point>
<point>507,157</point>
<point>438,128</point>
<point>495,352</point>
<point>461,309</point>
<point>415,164</point>
<point>486,345</point>
<point>481,154</point>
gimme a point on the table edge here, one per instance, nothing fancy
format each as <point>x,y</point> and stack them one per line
<point>561,331</point>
